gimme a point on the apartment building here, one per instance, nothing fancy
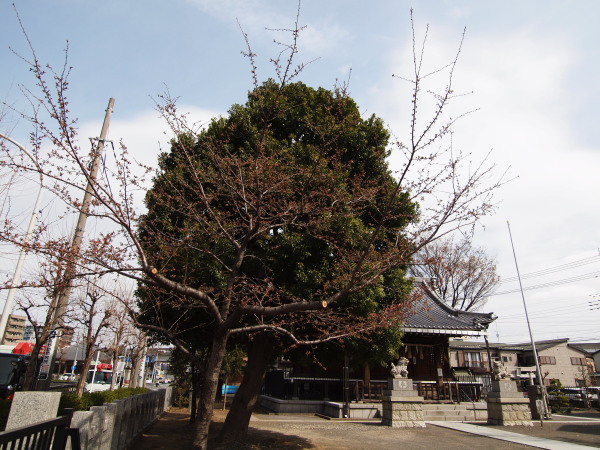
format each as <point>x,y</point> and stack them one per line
<point>15,327</point>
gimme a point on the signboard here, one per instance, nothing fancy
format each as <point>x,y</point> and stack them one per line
<point>45,366</point>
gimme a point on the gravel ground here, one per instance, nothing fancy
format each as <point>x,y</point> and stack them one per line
<point>268,431</point>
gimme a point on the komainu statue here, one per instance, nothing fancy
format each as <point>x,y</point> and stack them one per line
<point>400,370</point>
<point>500,372</point>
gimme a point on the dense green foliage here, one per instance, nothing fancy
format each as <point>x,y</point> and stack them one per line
<point>302,165</point>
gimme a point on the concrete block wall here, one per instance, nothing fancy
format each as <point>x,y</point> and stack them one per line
<point>116,425</point>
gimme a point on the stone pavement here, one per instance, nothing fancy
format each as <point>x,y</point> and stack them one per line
<point>508,436</point>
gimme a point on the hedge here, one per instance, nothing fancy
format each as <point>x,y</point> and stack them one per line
<point>87,400</point>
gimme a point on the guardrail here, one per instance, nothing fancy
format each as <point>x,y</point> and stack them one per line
<point>51,434</point>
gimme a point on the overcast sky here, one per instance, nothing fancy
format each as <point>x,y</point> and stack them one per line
<point>533,68</point>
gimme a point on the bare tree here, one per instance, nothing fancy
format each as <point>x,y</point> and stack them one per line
<point>122,334</point>
<point>462,275</point>
<point>39,300</point>
<point>135,349</point>
<point>93,314</point>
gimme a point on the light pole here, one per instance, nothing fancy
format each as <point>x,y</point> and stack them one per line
<point>545,412</point>
<point>8,305</point>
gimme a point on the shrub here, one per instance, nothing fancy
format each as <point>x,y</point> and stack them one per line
<point>559,401</point>
<point>87,400</point>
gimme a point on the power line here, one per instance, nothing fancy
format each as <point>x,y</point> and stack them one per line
<point>586,276</point>
<point>554,269</point>
<point>575,308</point>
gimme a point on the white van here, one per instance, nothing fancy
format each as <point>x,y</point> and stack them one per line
<point>101,380</point>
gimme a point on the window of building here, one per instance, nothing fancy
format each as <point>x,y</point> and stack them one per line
<point>547,360</point>
<point>473,359</point>
<point>578,361</point>
<point>506,358</point>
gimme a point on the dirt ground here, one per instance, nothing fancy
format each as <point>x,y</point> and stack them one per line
<point>269,431</point>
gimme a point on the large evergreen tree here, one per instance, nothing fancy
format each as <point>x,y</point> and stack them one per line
<point>274,212</point>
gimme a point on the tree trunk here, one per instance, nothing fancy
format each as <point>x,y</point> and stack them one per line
<point>87,362</point>
<point>29,382</point>
<point>210,380</point>
<point>236,423</point>
<point>195,389</point>
<point>113,380</point>
<point>132,371</point>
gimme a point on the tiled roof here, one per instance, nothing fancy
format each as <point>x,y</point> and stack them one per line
<point>586,347</point>
<point>431,313</point>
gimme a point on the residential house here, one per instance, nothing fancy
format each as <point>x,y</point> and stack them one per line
<point>572,364</point>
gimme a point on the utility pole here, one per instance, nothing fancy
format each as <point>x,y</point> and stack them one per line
<point>8,305</point>
<point>62,299</point>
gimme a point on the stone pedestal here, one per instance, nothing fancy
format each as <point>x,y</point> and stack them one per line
<point>534,393</point>
<point>506,405</point>
<point>29,407</point>
<point>402,407</point>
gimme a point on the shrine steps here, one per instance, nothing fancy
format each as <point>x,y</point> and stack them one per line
<point>455,412</point>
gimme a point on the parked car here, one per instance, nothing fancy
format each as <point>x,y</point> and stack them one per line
<point>575,395</point>
<point>595,391</point>
<point>12,372</point>
<point>68,377</point>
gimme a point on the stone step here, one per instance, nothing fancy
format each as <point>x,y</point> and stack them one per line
<point>454,419</point>
<point>464,412</point>
<point>445,413</point>
<point>449,408</point>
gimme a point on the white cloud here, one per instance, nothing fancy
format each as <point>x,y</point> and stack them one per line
<point>321,36</point>
<point>527,116</point>
<point>145,134</point>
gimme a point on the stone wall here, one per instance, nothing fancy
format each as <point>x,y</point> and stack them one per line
<point>116,425</point>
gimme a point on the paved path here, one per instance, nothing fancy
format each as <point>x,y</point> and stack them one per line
<point>517,438</point>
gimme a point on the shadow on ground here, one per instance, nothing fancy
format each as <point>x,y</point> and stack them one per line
<point>581,428</point>
<point>260,439</point>
<point>173,431</point>
<point>576,433</point>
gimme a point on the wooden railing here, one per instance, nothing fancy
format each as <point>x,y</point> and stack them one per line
<point>51,434</point>
<point>307,388</point>
<point>453,391</point>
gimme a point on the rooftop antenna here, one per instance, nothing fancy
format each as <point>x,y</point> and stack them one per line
<point>538,371</point>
